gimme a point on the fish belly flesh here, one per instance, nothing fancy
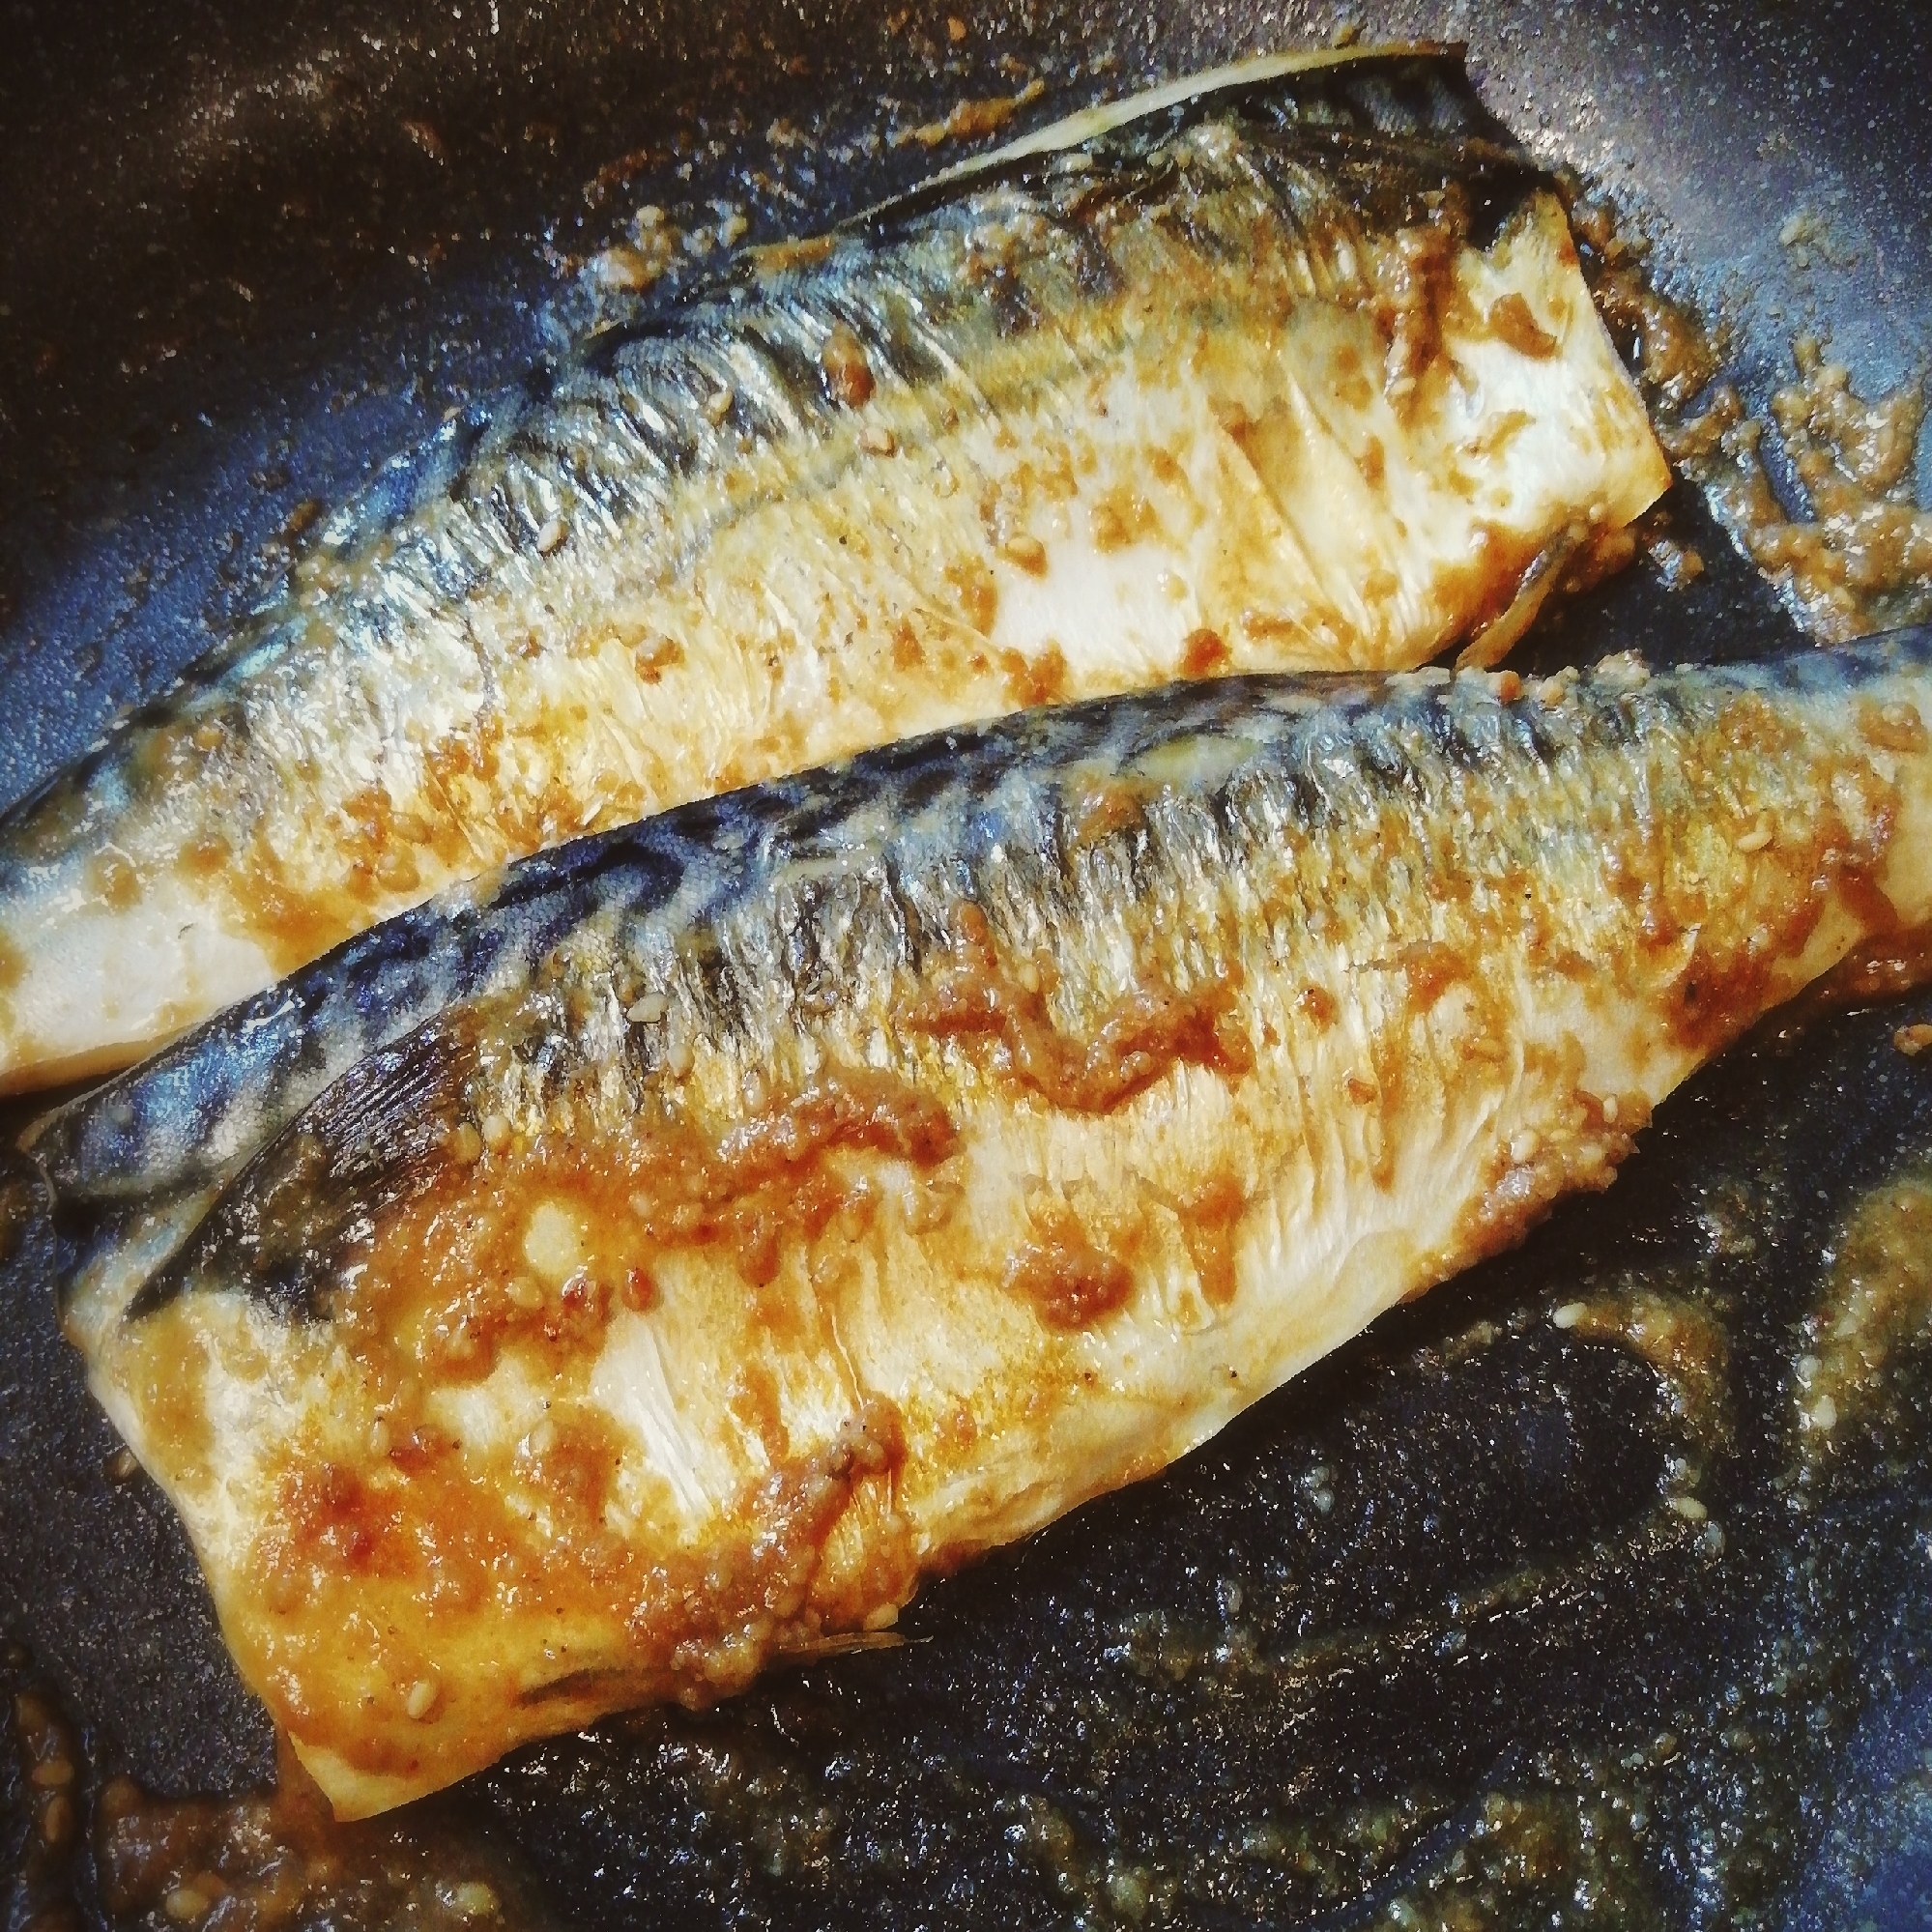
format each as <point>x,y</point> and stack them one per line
<point>1291,365</point>
<point>806,1188</point>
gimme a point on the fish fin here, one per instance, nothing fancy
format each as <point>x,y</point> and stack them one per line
<point>846,1643</point>
<point>373,1139</point>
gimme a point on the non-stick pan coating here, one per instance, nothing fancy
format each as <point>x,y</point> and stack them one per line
<point>247,252</point>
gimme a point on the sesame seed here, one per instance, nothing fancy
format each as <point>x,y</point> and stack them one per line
<point>648,1011</point>
<point>466,1144</point>
<point>1623,671</point>
<point>183,1904</point>
<point>551,537</point>
<point>552,1243</point>
<point>1609,1110</point>
<point>1689,1508</point>
<point>421,1698</point>
<point>378,1439</point>
<point>1025,550</point>
<point>496,1131</point>
<point>57,1820</point>
<point>876,439</point>
<point>718,406</point>
<point>1757,838</point>
<point>1568,1315</point>
<point>1523,1146</point>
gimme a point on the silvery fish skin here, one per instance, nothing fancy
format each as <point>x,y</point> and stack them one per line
<point>1287,365</point>
<point>800,1191</point>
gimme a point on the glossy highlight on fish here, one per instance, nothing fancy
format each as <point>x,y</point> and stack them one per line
<point>1292,364</point>
<point>741,1215</point>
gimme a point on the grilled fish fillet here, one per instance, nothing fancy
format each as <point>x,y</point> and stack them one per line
<point>1289,366</point>
<point>804,1190</point>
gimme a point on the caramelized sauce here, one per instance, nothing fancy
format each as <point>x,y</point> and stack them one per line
<point>1512,321</point>
<point>1210,1220</point>
<point>473,1266</point>
<point>1146,1033</point>
<point>1037,681</point>
<point>1430,969</point>
<point>971,120</point>
<point>1202,653</point>
<point>280,1862</point>
<point>456,1533</point>
<point>1861,560</point>
<point>1069,1282</point>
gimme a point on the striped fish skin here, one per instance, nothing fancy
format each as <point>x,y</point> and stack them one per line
<point>1297,370</point>
<point>797,1192</point>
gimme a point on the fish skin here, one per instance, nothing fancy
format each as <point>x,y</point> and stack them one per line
<point>825,1182</point>
<point>1094,418</point>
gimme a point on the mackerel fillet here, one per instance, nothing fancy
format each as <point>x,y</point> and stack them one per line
<point>1290,365</point>
<point>734,1217</point>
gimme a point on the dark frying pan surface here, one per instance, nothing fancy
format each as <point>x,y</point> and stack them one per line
<point>1422,1606</point>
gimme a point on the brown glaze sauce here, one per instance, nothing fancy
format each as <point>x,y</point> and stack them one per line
<point>1733,956</point>
<point>1204,655</point>
<point>467,1270</point>
<point>1521,1187</point>
<point>971,120</point>
<point>1069,1281</point>
<point>848,377</point>
<point>1414,279</point>
<point>1680,1338</point>
<point>1037,681</point>
<point>1210,1218</point>
<point>1512,321</point>
<point>1858,556</point>
<point>1147,1032</point>
<point>1876,1311</point>
<point>275,1860</point>
<point>440,1525</point>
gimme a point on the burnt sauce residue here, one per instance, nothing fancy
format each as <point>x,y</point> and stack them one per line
<point>1857,556</point>
<point>274,1861</point>
<point>1816,488</point>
